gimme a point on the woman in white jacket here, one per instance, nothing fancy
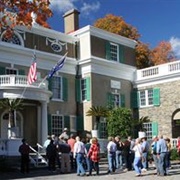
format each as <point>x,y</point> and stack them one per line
<point>138,156</point>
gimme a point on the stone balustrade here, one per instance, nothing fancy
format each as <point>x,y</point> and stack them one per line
<point>21,81</point>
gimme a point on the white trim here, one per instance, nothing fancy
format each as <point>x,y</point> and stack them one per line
<point>23,56</point>
<point>107,67</point>
<point>105,35</point>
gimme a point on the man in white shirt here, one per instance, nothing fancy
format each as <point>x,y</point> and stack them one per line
<point>111,149</point>
<point>79,152</point>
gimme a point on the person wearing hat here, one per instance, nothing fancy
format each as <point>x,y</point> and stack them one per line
<point>65,133</point>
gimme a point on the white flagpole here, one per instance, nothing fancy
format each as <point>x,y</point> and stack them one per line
<point>43,80</point>
<point>34,53</point>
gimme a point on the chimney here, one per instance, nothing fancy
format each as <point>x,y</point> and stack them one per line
<point>71,21</point>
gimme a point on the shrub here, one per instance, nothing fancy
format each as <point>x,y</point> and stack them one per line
<point>174,154</point>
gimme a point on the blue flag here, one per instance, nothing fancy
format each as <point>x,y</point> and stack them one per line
<point>58,66</point>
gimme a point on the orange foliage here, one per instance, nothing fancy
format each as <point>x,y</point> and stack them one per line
<point>142,55</point>
<point>18,12</point>
<point>162,53</point>
<point>117,25</point>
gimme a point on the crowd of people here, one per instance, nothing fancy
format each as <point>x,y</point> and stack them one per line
<point>72,153</point>
<point>83,155</point>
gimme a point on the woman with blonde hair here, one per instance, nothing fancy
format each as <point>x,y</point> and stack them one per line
<point>138,155</point>
<point>94,155</point>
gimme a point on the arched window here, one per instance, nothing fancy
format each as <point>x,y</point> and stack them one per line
<point>15,39</point>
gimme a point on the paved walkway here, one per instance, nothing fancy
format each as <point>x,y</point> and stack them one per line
<point>43,174</point>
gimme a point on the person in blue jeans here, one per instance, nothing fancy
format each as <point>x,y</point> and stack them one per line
<point>119,145</point>
<point>138,156</point>
<point>79,153</point>
<point>111,154</point>
<point>161,155</point>
<point>145,146</point>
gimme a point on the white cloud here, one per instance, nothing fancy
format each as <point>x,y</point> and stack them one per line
<point>88,8</point>
<point>175,43</point>
<point>62,6</point>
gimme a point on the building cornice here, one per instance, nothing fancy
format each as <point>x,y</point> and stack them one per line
<point>107,68</point>
<point>50,33</point>
<point>105,35</point>
<point>15,54</point>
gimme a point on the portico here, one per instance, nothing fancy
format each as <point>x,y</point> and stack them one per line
<point>30,123</point>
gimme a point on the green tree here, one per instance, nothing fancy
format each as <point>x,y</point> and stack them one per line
<point>11,105</point>
<point>119,122</point>
<point>97,112</point>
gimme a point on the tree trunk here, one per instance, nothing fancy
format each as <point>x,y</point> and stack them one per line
<point>96,123</point>
<point>11,118</point>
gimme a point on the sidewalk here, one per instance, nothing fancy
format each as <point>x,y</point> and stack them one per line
<point>43,174</point>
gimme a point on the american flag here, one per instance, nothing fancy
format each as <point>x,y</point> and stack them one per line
<point>32,75</point>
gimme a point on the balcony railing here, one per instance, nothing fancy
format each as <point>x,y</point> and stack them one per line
<point>164,69</point>
<point>21,81</point>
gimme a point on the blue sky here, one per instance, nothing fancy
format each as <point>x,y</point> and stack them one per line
<point>155,20</point>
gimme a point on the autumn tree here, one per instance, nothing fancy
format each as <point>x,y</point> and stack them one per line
<point>18,12</point>
<point>145,57</point>
<point>117,25</point>
<point>162,53</point>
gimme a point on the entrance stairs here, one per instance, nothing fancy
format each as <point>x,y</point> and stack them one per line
<point>37,157</point>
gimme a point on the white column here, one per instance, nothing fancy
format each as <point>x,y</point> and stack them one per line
<point>44,127</point>
<point>39,124</point>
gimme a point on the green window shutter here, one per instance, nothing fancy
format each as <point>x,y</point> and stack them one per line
<point>21,72</point>
<point>50,84</point>
<point>88,85</point>
<point>67,122</point>
<point>110,100</point>
<point>122,100</point>
<point>108,52</point>
<point>2,70</point>
<point>80,123</point>
<point>121,54</point>
<point>154,128</point>
<point>49,124</point>
<point>134,99</point>
<point>78,90</point>
<point>156,97</point>
<point>65,89</point>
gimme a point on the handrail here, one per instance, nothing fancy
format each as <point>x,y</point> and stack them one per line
<point>38,155</point>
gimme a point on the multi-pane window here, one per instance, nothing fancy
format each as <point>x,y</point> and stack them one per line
<point>56,124</point>
<point>116,100</point>
<point>103,131</point>
<point>56,86</point>
<point>146,97</point>
<point>148,130</point>
<point>83,89</point>
<point>151,129</point>
<point>11,71</point>
<point>114,52</point>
